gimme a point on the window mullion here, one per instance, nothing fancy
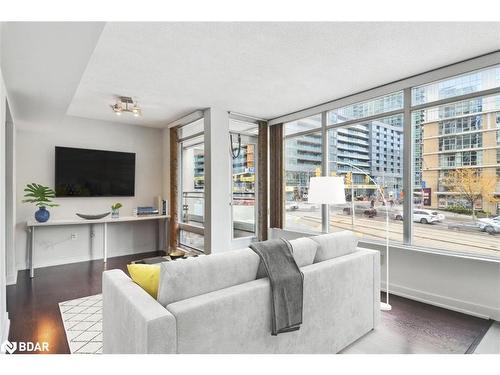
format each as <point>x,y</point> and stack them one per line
<point>408,172</point>
<point>325,214</point>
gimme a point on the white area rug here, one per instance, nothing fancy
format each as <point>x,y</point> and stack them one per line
<point>82,319</point>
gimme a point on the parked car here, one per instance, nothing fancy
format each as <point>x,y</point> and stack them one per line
<point>422,216</point>
<point>301,206</point>
<point>305,206</point>
<point>489,225</point>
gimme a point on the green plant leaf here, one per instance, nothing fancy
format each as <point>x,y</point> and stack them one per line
<point>39,195</point>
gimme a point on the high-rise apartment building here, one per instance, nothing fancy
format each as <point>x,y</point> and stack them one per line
<point>460,135</point>
<point>373,148</point>
<point>303,155</point>
<point>464,137</point>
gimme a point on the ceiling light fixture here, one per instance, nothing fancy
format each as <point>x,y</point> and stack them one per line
<point>122,105</point>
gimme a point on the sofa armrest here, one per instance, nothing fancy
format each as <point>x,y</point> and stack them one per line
<point>375,254</point>
<point>133,321</point>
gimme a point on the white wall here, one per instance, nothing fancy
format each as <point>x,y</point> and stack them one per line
<point>4,320</point>
<point>166,164</point>
<point>35,163</point>
<point>217,181</point>
<point>10,199</point>
<point>470,286</point>
<point>166,174</point>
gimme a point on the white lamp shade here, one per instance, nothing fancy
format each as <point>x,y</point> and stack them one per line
<point>326,190</point>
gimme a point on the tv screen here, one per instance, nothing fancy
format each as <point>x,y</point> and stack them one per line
<point>94,173</point>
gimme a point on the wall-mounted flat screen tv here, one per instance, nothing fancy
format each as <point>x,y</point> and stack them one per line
<point>94,173</point>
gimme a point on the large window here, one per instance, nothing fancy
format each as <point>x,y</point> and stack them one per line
<point>459,174</point>
<point>370,157</point>
<point>303,160</point>
<point>358,111</point>
<point>451,87</point>
<point>453,174</point>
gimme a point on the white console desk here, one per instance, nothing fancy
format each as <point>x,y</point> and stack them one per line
<point>104,222</point>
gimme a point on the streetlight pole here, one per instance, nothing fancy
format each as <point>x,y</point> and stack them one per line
<point>383,306</point>
<point>352,200</point>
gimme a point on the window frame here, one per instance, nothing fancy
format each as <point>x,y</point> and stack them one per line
<point>409,166</point>
<point>323,148</point>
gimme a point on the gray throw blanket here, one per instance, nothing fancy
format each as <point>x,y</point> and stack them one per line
<point>286,284</point>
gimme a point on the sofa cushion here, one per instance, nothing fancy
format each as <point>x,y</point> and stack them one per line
<point>304,250</point>
<point>186,278</point>
<point>147,276</point>
<point>334,245</point>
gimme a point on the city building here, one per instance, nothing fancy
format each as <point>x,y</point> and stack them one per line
<point>303,160</point>
<point>467,135</point>
<point>375,148</point>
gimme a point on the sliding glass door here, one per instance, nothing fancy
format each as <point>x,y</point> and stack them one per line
<point>192,186</point>
<point>244,178</point>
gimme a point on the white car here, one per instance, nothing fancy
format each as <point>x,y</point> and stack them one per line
<point>422,216</point>
<point>305,206</point>
<point>491,225</point>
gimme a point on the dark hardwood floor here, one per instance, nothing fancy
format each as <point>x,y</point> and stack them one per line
<point>411,327</point>
<point>33,303</point>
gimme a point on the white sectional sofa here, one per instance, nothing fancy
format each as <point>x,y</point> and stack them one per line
<point>221,303</point>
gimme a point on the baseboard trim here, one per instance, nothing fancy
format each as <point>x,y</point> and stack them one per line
<point>70,260</point>
<point>465,307</point>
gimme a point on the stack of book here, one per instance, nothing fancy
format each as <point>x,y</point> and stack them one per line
<point>140,211</point>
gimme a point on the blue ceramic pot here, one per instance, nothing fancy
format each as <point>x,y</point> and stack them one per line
<point>42,215</point>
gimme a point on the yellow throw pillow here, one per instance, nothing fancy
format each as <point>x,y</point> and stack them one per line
<point>147,276</point>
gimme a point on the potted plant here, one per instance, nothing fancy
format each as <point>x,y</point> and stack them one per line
<point>41,196</point>
<point>115,210</point>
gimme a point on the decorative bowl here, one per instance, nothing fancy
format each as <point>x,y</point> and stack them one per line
<point>174,254</point>
<point>92,217</point>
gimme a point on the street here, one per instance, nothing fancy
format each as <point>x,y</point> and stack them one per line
<point>436,235</point>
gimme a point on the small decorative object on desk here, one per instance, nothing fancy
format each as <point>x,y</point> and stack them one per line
<point>92,217</point>
<point>176,253</point>
<point>146,211</point>
<point>115,210</point>
<point>41,196</point>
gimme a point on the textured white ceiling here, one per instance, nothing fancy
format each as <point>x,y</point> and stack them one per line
<point>260,69</point>
<point>42,65</point>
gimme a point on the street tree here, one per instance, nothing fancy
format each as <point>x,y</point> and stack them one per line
<point>470,184</point>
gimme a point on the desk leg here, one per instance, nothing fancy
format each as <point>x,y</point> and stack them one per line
<point>158,236</point>
<point>32,251</point>
<point>105,241</point>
